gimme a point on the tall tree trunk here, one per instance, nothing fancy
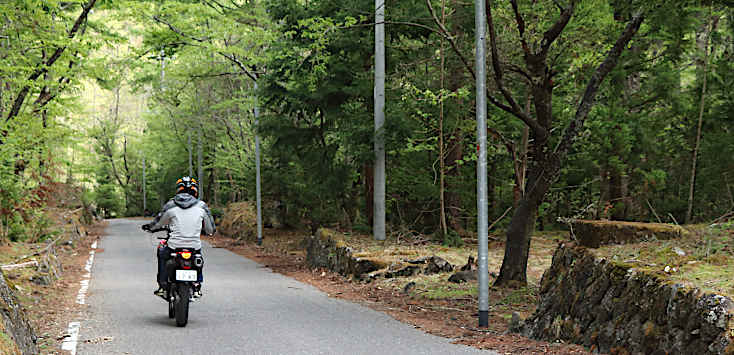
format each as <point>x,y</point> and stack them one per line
<point>491,187</point>
<point>616,197</point>
<point>455,145</point>
<point>214,185</point>
<point>441,146</point>
<point>520,159</point>
<point>544,161</point>
<point>513,272</point>
<point>2,103</point>
<point>232,186</point>
<point>702,106</point>
<point>453,199</point>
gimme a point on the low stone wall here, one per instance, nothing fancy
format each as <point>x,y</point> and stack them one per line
<point>14,322</point>
<point>327,249</point>
<point>594,234</point>
<point>614,308</point>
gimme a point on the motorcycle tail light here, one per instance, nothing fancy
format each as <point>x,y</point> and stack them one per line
<point>186,255</point>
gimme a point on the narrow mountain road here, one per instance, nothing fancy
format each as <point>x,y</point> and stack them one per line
<point>246,309</point>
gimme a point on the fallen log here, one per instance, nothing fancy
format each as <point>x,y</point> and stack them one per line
<point>18,266</point>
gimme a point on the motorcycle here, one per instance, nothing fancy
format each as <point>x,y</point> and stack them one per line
<point>183,270</point>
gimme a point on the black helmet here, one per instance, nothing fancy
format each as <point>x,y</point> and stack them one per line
<point>187,185</point>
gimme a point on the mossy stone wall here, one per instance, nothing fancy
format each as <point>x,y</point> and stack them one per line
<point>594,234</point>
<point>14,321</point>
<point>327,249</point>
<point>614,308</point>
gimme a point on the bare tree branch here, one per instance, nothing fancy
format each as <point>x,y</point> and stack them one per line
<point>498,78</point>
<point>593,86</point>
<point>520,26</point>
<point>552,34</point>
<point>43,67</point>
<point>446,34</point>
<point>178,31</point>
<point>516,69</point>
<point>215,75</point>
<point>231,57</point>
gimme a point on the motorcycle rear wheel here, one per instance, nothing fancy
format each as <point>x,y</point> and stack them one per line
<point>181,299</point>
<point>171,309</point>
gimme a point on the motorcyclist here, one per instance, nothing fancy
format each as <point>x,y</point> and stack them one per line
<point>186,216</point>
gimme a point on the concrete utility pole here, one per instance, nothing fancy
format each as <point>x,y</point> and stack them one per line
<point>145,204</point>
<point>378,228</point>
<point>481,30</point>
<point>145,111</point>
<point>191,164</point>
<point>257,176</point>
<point>163,69</point>
<point>200,172</point>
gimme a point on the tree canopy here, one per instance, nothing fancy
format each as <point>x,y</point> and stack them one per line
<point>595,109</point>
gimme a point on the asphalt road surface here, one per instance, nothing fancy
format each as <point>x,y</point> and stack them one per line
<point>246,309</point>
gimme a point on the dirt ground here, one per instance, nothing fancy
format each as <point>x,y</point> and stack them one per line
<point>50,308</point>
<point>453,317</point>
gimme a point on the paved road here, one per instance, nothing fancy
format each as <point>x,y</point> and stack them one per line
<point>246,309</point>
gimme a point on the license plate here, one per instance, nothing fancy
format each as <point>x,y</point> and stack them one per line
<point>186,275</point>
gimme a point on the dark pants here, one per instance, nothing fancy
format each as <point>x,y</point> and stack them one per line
<point>164,254</point>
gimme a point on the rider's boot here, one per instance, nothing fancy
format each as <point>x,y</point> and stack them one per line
<point>197,289</point>
<point>161,292</point>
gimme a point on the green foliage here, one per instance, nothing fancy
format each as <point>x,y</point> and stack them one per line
<point>170,71</point>
<point>109,201</point>
<point>44,59</point>
<point>314,66</point>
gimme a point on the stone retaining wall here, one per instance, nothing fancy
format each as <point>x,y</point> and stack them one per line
<point>327,249</point>
<point>594,234</point>
<point>614,308</point>
<point>14,322</point>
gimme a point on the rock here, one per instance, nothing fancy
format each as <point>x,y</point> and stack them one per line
<point>43,280</point>
<point>434,264</point>
<point>13,321</point>
<point>419,261</point>
<point>402,271</point>
<point>470,264</point>
<point>437,265</point>
<point>516,323</point>
<point>464,276</point>
<point>409,287</point>
<point>361,266</point>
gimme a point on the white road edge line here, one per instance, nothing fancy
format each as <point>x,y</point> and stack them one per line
<point>84,283</point>
<point>70,342</point>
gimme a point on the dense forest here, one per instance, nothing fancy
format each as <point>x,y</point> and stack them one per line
<point>599,109</point>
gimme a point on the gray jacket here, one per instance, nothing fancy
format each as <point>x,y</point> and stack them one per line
<point>185,215</point>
